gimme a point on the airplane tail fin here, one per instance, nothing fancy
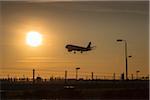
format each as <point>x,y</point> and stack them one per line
<point>89,45</point>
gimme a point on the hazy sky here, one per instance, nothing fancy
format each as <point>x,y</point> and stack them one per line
<point>63,23</point>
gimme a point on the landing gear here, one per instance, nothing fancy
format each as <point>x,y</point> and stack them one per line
<point>74,52</point>
<point>81,51</point>
<point>69,50</point>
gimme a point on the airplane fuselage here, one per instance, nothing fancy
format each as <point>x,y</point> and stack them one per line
<point>76,48</point>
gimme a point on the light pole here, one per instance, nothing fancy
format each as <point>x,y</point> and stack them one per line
<point>77,72</point>
<point>126,59</point>
<point>33,75</point>
<point>65,76</point>
<point>92,75</point>
<point>137,74</point>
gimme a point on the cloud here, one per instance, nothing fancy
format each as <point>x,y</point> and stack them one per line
<point>98,6</point>
<point>111,6</point>
<point>44,60</point>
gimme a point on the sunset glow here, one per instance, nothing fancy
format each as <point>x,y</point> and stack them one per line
<point>34,39</point>
<point>34,35</point>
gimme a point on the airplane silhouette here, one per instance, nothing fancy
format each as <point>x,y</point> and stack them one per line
<point>79,48</point>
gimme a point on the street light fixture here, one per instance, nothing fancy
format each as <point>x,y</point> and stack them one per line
<point>119,40</point>
<point>129,56</point>
<point>126,59</point>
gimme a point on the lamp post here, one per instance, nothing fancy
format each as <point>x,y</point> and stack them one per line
<point>137,74</point>
<point>77,72</point>
<point>65,76</point>
<point>33,75</point>
<point>126,59</point>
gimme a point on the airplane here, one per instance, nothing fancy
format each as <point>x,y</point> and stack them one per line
<point>79,48</point>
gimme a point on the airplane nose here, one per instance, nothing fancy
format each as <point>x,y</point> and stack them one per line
<point>66,46</point>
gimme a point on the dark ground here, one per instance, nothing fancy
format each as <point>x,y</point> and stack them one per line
<point>72,89</point>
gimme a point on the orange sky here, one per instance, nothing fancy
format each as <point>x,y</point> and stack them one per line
<point>63,23</point>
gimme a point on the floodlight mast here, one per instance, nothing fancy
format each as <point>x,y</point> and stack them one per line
<point>126,59</point>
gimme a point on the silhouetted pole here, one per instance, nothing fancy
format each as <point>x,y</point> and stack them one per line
<point>77,73</point>
<point>137,74</point>
<point>92,75</point>
<point>33,75</point>
<point>65,75</point>
<point>126,59</point>
<point>122,76</point>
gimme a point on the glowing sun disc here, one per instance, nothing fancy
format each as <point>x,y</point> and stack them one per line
<point>34,39</point>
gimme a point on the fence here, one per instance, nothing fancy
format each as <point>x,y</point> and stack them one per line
<point>25,75</point>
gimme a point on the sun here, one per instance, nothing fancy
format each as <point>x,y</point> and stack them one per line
<point>34,39</point>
